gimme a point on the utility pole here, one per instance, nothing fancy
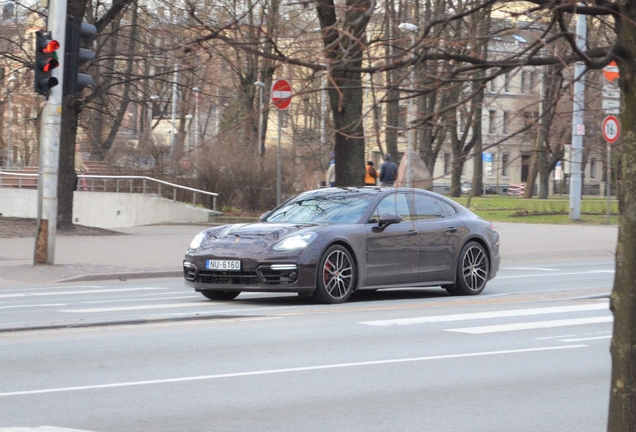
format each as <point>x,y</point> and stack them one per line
<point>50,145</point>
<point>578,127</point>
<point>175,90</point>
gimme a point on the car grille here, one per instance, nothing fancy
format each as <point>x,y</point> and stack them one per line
<point>261,276</point>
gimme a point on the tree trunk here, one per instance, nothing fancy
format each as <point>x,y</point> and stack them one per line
<point>344,50</point>
<point>622,407</point>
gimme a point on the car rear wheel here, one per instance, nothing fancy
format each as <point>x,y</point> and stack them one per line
<point>220,295</point>
<point>472,271</point>
<point>336,276</point>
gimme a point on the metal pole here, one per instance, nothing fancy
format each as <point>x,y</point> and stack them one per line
<point>409,174</point>
<point>279,164</point>
<point>577,120</point>
<point>608,179</point>
<point>196,118</point>
<point>50,145</point>
<point>323,112</point>
<point>260,86</point>
<point>174,111</point>
<point>9,121</point>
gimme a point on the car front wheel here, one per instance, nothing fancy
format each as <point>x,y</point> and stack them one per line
<point>336,276</point>
<point>220,295</point>
<point>472,271</point>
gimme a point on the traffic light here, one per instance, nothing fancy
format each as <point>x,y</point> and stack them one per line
<point>46,60</point>
<point>74,56</point>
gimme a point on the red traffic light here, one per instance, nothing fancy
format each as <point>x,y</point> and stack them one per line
<point>49,65</point>
<point>46,60</point>
<point>50,47</point>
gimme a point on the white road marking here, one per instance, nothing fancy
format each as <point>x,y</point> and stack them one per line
<point>585,339</point>
<point>529,268</point>
<point>286,370</point>
<point>32,305</point>
<point>144,307</point>
<point>487,315</point>
<point>554,337</point>
<point>532,325</point>
<point>40,429</point>
<point>555,274</point>
<point>101,291</point>
<point>138,299</point>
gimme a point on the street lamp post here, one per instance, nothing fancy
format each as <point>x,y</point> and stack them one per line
<point>11,80</point>
<point>412,28</point>
<point>173,144</point>
<point>260,86</point>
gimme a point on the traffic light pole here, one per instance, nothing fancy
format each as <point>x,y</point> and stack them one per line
<point>50,146</point>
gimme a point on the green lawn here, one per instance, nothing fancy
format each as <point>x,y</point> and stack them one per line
<point>555,210</point>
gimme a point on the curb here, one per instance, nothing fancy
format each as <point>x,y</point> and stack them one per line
<point>120,323</point>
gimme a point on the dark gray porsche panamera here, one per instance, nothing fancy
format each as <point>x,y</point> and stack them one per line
<point>328,243</point>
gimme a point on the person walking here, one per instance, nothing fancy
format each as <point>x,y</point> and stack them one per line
<point>388,171</point>
<point>331,175</point>
<point>370,178</point>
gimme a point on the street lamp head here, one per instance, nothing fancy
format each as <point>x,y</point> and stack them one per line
<point>408,27</point>
<point>189,116</point>
<point>12,78</point>
<point>259,84</point>
<point>196,89</point>
<point>154,97</point>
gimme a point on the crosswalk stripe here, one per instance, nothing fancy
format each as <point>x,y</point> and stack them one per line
<point>486,315</point>
<point>531,325</point>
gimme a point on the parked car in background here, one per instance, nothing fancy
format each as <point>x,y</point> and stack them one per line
<point>467,187</point>
<point>329,243</point>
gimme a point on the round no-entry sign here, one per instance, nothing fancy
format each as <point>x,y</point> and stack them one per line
<point>610,72</point>
<point>611,129</point>
<point>281,94</point>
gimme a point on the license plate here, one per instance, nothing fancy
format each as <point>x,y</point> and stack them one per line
<point>228,265</point>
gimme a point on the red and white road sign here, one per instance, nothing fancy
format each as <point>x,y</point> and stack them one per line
<point>281,94</point>
<point>611,129</point>
<point>610,72</point>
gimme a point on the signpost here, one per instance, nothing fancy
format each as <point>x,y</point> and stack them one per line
<point>281,98</point>
<point>611,131</point>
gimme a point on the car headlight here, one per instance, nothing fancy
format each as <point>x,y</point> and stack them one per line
<point>298,241</point>
<point>198,239</point>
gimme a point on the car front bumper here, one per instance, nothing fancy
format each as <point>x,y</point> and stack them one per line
<point>284,276</point>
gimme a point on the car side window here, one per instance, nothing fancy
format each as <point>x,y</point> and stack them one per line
<point>427,207</point>
<point>394,203</point>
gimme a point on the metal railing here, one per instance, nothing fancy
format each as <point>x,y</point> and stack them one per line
<point>113,183</point>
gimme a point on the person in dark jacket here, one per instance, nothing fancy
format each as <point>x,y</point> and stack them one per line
<point>388,171</point>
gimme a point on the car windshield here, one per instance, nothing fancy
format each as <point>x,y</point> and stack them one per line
<point>327,208</point>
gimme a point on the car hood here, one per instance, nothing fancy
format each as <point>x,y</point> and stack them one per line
<point>259,235</point>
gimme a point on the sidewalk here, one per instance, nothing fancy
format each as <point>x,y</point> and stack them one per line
<point>157,251</point>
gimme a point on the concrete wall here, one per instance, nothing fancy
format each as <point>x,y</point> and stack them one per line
<point>107,209</point>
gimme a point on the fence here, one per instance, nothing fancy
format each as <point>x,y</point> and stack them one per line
<point>112,183</point>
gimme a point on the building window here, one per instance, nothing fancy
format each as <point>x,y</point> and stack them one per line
<point>524,82</point>
<point>505,158</point>
<point>491,121</point>
<point>533,82</point>
<point>506,122</point>
<point>493,86</point>
<point>447,162</point>
<point>593,168</point>
<point>507,82</point>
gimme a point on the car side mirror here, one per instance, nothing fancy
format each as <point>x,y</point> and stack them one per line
<point>263,216</point>
<point>387,219</point>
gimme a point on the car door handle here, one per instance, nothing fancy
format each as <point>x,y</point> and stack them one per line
<point>411,233</point>
<point>451,229</point>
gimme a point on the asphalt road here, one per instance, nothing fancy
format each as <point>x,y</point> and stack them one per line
<point>529,354</point>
